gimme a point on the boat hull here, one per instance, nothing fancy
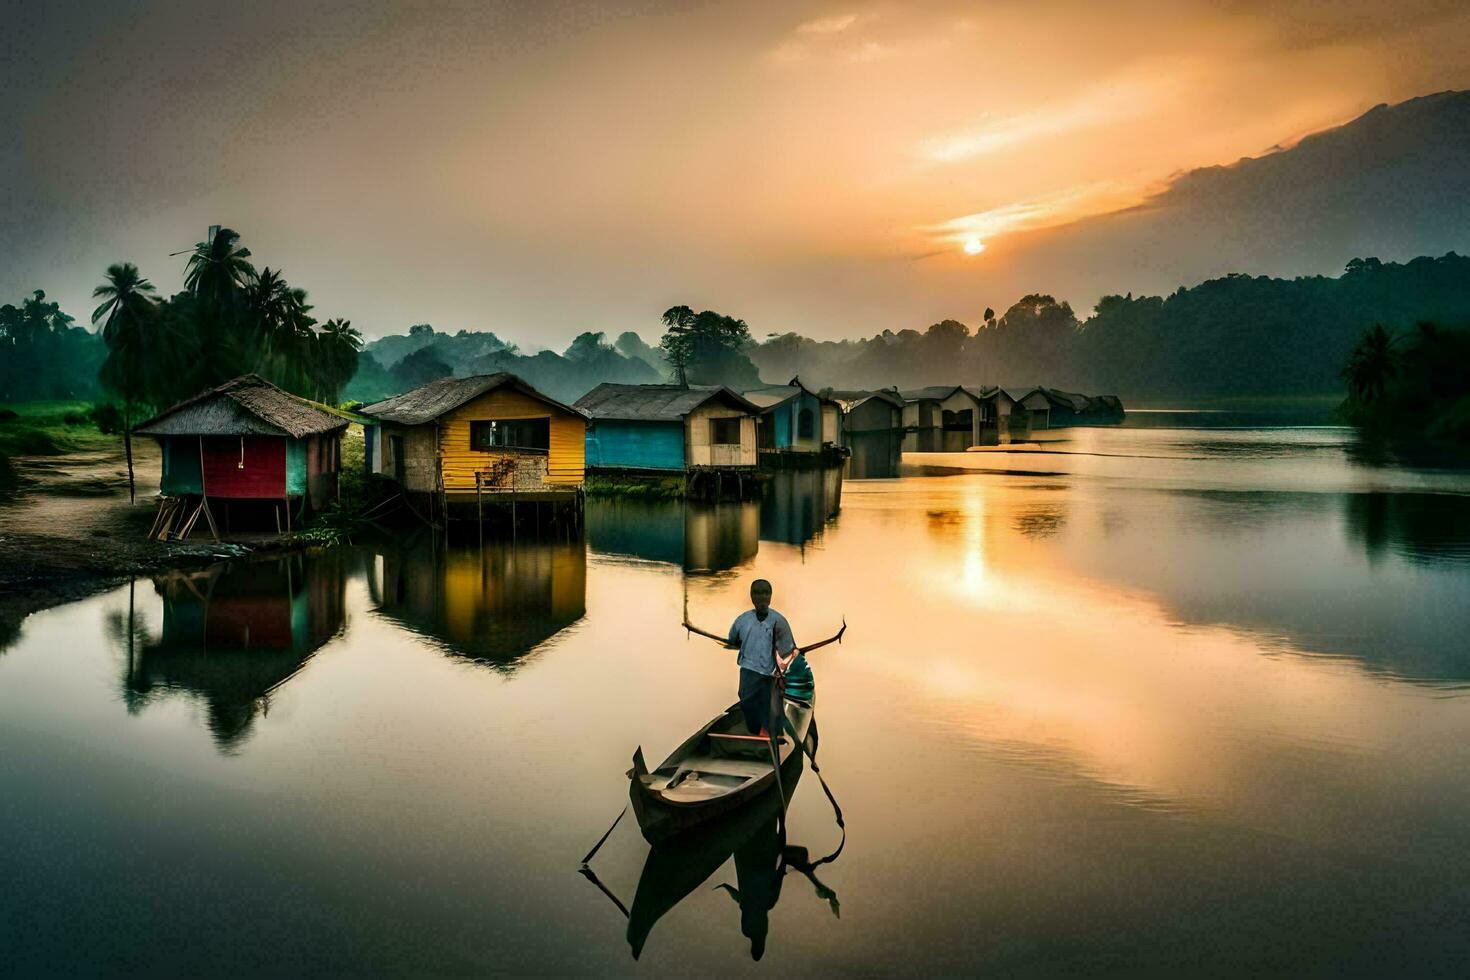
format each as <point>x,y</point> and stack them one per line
<point>662,819</point>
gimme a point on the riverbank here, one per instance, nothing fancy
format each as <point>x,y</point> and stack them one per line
<point>68,530</point>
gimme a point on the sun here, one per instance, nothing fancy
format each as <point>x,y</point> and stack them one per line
<point>974,246</point>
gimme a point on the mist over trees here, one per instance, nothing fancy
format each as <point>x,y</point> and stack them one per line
<point>1238,335</point>
<point>396,363</point>
<point>44,354</point>
<point>707,348</point>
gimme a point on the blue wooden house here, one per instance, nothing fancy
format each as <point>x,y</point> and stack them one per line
<point>668,428</point>
<point>795,419</point>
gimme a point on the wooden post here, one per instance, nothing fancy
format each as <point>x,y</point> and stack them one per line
<point>288,513</point>
<point>480,510</point>
<point>203,495</point>
<point>512,510</point>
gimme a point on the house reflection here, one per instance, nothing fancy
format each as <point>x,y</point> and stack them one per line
<point>798,504</point>
<point>695,536</point>
<point>491,605</point>
<point>233,634</point>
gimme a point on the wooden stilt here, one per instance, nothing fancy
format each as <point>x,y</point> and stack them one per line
<point>287,502</point>
<point>209,516</point>
<point>480,509</point>
<point>204,494</point>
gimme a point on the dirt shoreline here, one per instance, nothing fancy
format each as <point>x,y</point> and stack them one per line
<point>69,532</point>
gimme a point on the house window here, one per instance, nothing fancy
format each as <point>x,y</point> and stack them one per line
<point>532,434</point>
<point>806,424</point>
<point>724,432</point>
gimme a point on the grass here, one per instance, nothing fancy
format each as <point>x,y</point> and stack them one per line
<point>339,522</point>
<point>49,429</point>
<point>642,488</point>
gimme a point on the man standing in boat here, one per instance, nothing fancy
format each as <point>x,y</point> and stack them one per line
<point>767,651</point>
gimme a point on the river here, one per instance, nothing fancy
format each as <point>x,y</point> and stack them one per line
<point>1150,700</point>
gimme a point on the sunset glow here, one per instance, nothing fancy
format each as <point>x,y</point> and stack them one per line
<point>824,165</point>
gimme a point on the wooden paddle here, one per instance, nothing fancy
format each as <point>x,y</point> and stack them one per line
<point>725,640</point>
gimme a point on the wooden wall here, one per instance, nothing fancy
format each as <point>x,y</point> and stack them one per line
<point>831,424</point>
<point>565,462</point>
<point>698,451</point>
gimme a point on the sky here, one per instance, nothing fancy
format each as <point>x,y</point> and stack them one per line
<point>542,169</point>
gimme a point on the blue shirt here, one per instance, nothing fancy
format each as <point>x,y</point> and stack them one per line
<point>757,641</point>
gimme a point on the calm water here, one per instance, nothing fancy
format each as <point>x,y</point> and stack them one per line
<point>1147,701</point>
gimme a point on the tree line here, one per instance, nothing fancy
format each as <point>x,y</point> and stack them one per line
<point>1237,335</point>
<point>228,320</point>
<point>1410,385</point>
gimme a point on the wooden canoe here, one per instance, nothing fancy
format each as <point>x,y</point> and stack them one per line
<point>717,770</point>
<point>678,866</point>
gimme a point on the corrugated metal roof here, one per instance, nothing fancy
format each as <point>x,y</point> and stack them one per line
<point>247,405</point>
<point>427,402</point>
<point>654,403</point>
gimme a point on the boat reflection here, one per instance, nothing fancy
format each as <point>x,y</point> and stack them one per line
<point>762,856</point>
<point>698,537</point>
<point>233,634</point>
<point>798,504</point>
<point>491,605</point>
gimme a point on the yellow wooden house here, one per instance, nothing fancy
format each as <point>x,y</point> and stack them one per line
<point>462,438</point>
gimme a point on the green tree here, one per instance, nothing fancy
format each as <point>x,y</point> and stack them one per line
<point>1371,365</point>
<point>341,346</point>
<point>707,348</point>
<point>218,271</point>
<point>127,314</point>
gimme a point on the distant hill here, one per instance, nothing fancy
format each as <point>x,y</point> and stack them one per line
<point>398,362</point>
<point>1394,182</point>
<point>1280,246</point>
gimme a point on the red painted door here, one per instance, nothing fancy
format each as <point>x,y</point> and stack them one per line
<point>245,467</point>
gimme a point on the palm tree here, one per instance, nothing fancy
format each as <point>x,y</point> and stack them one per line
<point>217,272</point>
<point>268,299</point>
<point>126,311</point>
<point>1371,365</point>
<point>340,344</point>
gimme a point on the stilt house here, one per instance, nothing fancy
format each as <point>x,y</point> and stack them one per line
<point>940,419</point>
<point>668,427</point>
<point>248,440</point>
<point>795,419</point>
<point>456,436</point>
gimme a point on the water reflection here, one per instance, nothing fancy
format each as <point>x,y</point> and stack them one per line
<point>491,605</point>
<point>797,505</point>
<point>699,537</point>
<point>875,455</point>
<point>1428,528</point>
<point>754,837</point>
<point>232,635</point>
